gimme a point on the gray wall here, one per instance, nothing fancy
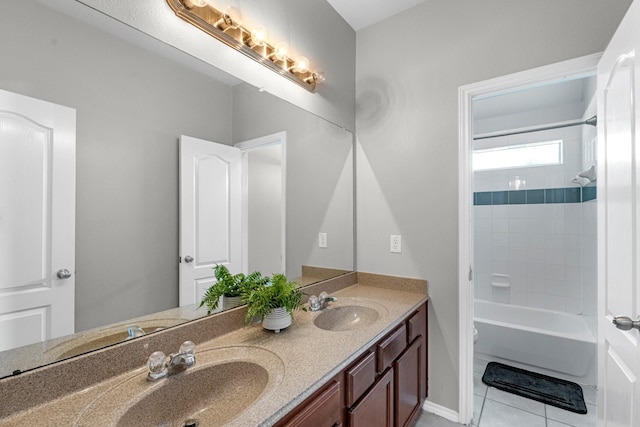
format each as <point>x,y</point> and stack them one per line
<point>310,27</point>
<point>131,107</point>
<point>319,168</point>
<point>264,211</point>
<point>409,68</point>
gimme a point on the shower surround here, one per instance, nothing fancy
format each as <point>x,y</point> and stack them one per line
<point>529,227</point>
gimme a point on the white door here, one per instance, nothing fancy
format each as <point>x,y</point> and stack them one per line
<point>210,217</point>
<point>618,222</point>
<point>37,220</point>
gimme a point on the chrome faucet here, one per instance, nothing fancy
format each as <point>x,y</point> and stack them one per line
<point>321,301</point>
<point>160,366</point>
<point>135,331</point>
<point>177,363</point>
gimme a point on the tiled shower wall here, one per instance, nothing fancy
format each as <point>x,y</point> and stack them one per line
<point>531,225</point>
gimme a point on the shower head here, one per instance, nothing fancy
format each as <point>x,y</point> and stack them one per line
<point>590,174</point>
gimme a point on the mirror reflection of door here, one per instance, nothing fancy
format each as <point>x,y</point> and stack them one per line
<point>224,190</point>
<point>264,204</point>
<point>210,214</point>
<point>37,220</point>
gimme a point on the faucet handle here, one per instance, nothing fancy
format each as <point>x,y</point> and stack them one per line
<point>188,350</point>
<point>319,302</point>
<point>157,365</point>
<point>314,303</point>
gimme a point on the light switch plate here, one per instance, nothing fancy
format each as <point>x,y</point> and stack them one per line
<point>322,240</point>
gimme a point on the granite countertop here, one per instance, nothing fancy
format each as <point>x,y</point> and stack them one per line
<point>56,349</point>
<point>303,357</point>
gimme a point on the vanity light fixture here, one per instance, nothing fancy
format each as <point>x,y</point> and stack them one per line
<point>226,26</point>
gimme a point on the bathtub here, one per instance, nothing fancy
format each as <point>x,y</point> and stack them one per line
<point>554,341</point>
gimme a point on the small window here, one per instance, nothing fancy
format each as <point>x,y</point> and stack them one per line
<point>517,156</point>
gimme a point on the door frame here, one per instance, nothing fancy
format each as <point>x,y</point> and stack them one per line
<point>573,68</point>
<point>252,145</point>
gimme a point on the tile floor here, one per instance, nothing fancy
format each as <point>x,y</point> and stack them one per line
<point>495,408</point>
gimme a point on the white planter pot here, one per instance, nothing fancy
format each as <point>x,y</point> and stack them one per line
<point>278,319</point>
<point>230,302</point>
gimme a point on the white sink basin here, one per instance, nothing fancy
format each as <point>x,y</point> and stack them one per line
<point>349,314</point>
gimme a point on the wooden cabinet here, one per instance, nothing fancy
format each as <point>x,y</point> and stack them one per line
<point>417,327</point>
<point>385,386</point>
<point>376,406</point>
<point>401,361</point>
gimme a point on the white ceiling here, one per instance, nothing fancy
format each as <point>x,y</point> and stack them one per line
<point>362,13</point>
<point>530,99</point>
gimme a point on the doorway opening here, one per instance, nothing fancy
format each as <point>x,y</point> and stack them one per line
<point>524,211</point>
<point>264,203</point>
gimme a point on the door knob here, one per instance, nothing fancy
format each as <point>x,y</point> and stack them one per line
<point>188,259</point>
<point>625,323</point>
<point>63,274</point>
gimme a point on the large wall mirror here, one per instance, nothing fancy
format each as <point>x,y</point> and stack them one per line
<point>132,105</point>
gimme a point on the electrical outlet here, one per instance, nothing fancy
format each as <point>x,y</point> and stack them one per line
<point>396,244</point>
<point>322,240</point>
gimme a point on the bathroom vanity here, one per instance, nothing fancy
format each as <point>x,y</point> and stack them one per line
<point>362,358</point>
<point>385,386</point>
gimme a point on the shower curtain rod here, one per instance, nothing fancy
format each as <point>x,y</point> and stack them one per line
<point>593,121</point>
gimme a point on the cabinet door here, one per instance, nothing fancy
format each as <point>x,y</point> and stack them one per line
<point>408,383</point>
<point>376,407</point>
<point>325,410</point>
<point>417,327</point>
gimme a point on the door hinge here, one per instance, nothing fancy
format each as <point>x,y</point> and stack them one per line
<point>470,274</point>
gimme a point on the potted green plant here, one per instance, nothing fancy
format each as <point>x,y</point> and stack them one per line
<point>229,288</point>
<point>274,301</point>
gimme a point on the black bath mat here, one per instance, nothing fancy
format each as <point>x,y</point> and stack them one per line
<point>543,388</point>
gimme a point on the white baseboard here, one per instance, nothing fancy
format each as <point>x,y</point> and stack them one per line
<point>441,411</point>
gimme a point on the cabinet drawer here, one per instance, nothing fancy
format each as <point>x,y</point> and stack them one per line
<point>416,325</point>
<point>324,410</point>
<point>360,377</point>
<point>391,347</point>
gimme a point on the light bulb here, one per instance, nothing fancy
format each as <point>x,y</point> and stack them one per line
<point>232,16</point>
<point>259,36</point>
<point>302,65</point>
<point>319,76</point>
<point>280,51</point>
